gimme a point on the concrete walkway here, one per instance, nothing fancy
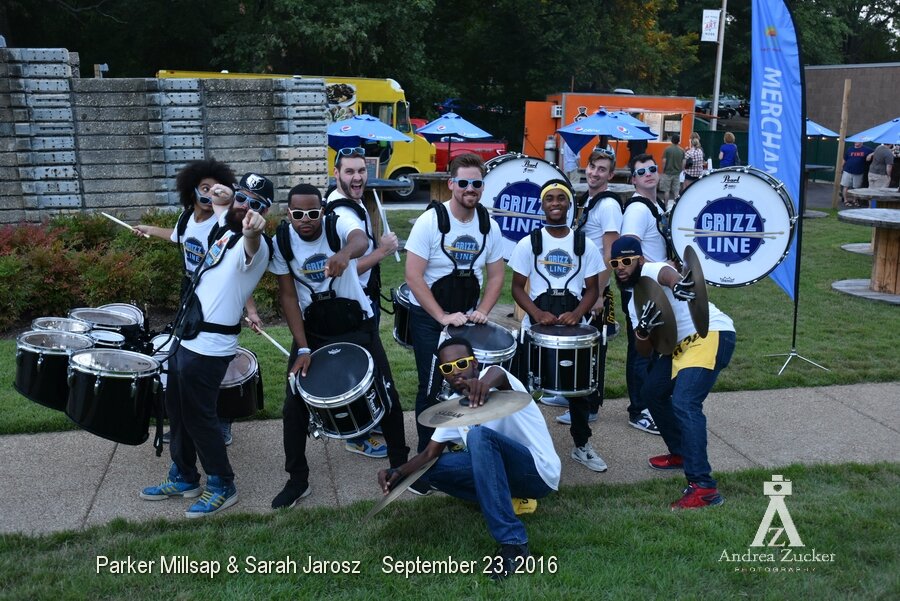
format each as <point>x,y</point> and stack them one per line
<point>74,480</point>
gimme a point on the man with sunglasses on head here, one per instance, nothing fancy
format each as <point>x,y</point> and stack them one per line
<point>511,456</point>
<point>207,327</point>
<point>323,302</point>
<point>562,267</point>
<point>644,220</point>
<point>677,385</point>
<point>447,249</point>
<point>350,176</point>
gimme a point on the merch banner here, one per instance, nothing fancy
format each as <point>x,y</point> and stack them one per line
<point>776,119</point>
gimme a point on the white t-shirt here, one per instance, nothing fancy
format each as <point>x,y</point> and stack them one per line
<point>526,426</point>
<point>605,217</point>
<point>349,214</point>
<point>556,262</point>
<point>309,263</point>
<point>639,221</point>
<point>463,241</point>
<point>718,321</point>
<point>194,240</point>
<point>223,291</point>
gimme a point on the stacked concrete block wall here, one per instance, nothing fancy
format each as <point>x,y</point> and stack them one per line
<point>116,145</point>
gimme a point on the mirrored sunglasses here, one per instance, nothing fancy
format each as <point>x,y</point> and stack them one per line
<point>349,152</point>
<point>643,170</point>
<point>255,203</point>
<point>464,183</point>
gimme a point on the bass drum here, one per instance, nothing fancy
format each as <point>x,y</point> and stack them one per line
<point>340,390</point>
<point>740,221</point>
<point>42,363</point>
<point>513,185</point>
<point>112,393</point>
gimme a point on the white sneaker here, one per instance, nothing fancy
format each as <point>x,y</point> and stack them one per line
<point>588,458</point>
<point>555,401</point>
<point>566,418</point>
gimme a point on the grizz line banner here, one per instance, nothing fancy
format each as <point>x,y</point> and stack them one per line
<point>776,113</point>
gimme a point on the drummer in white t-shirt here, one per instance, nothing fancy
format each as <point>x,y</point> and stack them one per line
<point>511,456</point>
<point>562,290</point>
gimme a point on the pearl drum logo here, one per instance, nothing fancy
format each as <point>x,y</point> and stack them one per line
<point>463,249</point>
<point>314,268</point>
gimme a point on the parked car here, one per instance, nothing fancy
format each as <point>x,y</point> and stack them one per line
<point>705,106</point>
<point>743,108</point>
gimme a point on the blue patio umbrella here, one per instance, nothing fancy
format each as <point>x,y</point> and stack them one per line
<point>814,129</point>
<point>362,128</point>
<point>450,124</point>
<point>578,134</point>
<point>629,120</point>
<point>886,133</point>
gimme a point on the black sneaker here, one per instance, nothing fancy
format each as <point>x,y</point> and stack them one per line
<point>419,488</point>
<point>291,494</point>
<point>508,560</point>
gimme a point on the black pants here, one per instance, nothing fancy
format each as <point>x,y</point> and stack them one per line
<point>192,395</point>
<point>636,365</point>
<point>296,413</point>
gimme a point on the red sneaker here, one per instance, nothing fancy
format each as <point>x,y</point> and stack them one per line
<point>666,462</point>
<point>696,497</point>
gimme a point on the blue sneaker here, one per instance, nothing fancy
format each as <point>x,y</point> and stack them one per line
<point>369,447</point>
<point>566,418</point>
<point>215,498</point>
<point>226,432</point>
<point>173,486</point>
<point>555,401</point>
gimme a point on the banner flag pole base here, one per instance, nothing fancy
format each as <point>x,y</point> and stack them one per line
<point>790,356</point>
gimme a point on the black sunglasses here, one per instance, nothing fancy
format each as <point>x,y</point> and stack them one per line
<point>643,170</point>
<point>464,183</point>
<point>299,214</point>
<point>349,152</point>
<point>255,203</point>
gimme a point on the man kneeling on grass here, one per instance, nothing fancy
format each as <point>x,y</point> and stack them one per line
<point>512,456</point>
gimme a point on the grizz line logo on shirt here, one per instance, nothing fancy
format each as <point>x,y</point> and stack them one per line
<point>463,249</point>
<point>193,251</point>
<point>558,263</point>
<point>314,268</point>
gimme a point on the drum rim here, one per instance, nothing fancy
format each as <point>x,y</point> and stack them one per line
<point>351,395</point>
<point>86,369</point>
<point>117,336</point>
<point>586,340</point>
<point>74,320</point>
<point>490,356</point>
<point>22,344</point>
<point>136,313</point>
<point>105,326</point>
<point>792,221</point>
<point>254,363</point>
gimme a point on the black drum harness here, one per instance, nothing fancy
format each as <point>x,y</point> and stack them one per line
<point>458,291</point>
<point>373,289</point>
<point>662,222</point>
<point>557,300</point>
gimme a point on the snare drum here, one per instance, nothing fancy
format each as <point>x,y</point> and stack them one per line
<point>42,361</point>
<point>130,310</point>
<point>492,344</point>
<point>61,324</point>
<point>513,183</point>
<point>112,393</point>
<point>114,321</point>
<point>564,360</point>
<point>107,339</point>
<point>340,390</point>
<point>240,394</point>
<point>740,221</point>
<point>400,300</point>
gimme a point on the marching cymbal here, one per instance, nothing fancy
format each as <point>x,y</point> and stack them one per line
<point>699,307</point>
<point>450,414</point>
<point>400,488</point>
<point>663,337</point>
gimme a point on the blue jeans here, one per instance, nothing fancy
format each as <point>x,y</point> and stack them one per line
<point>677,408</point>
<point>425,332</point>
<point>493,469</point>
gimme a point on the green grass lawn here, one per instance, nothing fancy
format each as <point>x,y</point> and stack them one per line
<point>854,338</point>
<point>597,542</point>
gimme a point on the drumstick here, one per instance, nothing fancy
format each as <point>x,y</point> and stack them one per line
<point>699,232</point>
<point>122,223</point>
<point>508,213</point>
<point>384,223</point>
<point>270,339</point>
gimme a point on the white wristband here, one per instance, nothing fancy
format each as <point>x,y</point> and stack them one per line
<point>303,351</point>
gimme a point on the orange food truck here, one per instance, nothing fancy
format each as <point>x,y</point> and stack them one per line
<point>666,115</point>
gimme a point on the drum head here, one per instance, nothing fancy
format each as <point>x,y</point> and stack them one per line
<point>699,307</point>
<point>484,336</point>
<point>241,368</point>
<point>565,331</point>
<point>126,309</point>
<point>663,337</point>
<point>53,342</point>
<point>107,338</point>
<point>103,317</point>
<point>513,183</point>
<point>114,363</point>
<point>336,370</point>
<point>63,324</point>
<point>741,222</point>
<point>161,344</point>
